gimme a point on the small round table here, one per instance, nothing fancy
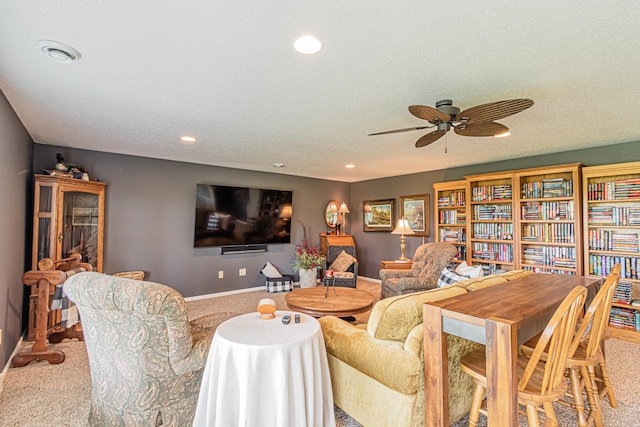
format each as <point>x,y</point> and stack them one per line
<point>342,303</point>
<point>266,373</point>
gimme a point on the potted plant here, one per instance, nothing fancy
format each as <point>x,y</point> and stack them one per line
<point>307,259</point>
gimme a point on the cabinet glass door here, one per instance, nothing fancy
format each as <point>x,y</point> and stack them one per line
<point>44,223</point>
<point>79,233</point>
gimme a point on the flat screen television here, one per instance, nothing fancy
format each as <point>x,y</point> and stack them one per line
<point>230,216</point>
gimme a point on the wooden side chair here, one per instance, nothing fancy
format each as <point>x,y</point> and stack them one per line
<point>542,374</point>
<point>586,356</point>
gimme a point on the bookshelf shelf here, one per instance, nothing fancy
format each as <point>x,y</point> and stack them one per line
<point>450,208</point>
<point>491,241</point>
<point>490,221</point>
<point>548,219</point>
<point>611,213</point>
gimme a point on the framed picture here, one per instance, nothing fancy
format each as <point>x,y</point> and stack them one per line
<point>379,215</point>
<point>415,209</point>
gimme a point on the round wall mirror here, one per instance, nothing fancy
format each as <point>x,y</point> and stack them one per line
<point>331,213</point>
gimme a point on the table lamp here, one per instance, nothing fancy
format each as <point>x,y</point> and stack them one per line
<point>343,223</point>
<point>402,228</point>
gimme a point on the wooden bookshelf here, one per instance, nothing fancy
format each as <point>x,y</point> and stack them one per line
<point>490,221</point>
<point>548,218</point>
<point>450,211</point>
<point>611,216</point>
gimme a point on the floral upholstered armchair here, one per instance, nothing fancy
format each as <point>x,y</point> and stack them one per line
<point>428,262</point>
<point>146,358</point>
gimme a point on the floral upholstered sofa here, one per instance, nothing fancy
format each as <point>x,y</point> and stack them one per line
<point>377,369</point>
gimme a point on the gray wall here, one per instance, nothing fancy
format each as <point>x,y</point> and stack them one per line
<point>150,211</point>
<point>376,246</point>
<point>15,195</point>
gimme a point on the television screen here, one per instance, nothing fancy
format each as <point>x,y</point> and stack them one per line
<point>227,216</point>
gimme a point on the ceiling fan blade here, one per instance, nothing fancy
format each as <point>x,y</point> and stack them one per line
<point>400,130</point>
<point>430,137</point>
<point>429,114</point>
<point>493,111</point>
<point>480,129</point>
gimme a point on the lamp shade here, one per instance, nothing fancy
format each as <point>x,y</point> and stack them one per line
<point>402,227</point>
<point>343,208</point>
<point>287,211</point>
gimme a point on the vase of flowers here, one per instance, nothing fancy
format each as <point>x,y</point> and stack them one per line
<point>307,259</point>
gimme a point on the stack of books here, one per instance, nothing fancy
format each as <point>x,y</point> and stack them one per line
<point>622,293</point>
<point>557,187</point>
<point>550,187</point>
<point>625,319</point>
<point>491,192</point>
<point>492,212</point>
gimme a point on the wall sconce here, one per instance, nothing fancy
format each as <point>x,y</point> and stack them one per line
<point>402,228</point>
<point>343,223</point>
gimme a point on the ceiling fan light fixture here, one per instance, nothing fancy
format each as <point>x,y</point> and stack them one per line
<point>59,52</point>
<point>502,135</point>
<point>307,44</point>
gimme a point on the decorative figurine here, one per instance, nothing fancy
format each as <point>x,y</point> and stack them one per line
<point>267,309</point>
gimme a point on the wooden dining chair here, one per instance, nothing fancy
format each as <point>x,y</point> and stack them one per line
<point>586,356</point>
<point>541,379</point>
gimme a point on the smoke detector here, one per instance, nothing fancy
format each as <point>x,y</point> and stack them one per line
<point>59,52</point>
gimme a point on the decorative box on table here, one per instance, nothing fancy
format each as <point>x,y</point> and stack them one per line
<point>280,284</point>
<point>276,282</point>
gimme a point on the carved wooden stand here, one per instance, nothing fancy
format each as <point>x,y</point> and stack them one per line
<point>45,278</point>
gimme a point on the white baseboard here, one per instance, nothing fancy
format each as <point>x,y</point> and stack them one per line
<point>8,365</point>
<point>257,288</point>
<point>221,294</point>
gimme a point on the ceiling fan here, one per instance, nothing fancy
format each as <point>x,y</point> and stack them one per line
<point>474,121</point>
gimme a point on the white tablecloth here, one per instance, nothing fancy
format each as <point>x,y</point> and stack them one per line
<point>263,373</point>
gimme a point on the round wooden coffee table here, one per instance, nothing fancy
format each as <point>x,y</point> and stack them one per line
<point>340,301</point>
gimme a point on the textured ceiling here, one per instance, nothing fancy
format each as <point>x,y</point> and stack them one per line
<point>225,72</point>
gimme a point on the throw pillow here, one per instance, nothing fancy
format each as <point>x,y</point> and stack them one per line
<point>270,271</point>
<point>449,277</point>
<point>467,270</point>
<point>342,262</point>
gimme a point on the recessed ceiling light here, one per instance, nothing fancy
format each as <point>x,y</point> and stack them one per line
<point>59,52</point>
<point>350,166</point>
<point>278,165</point>
<point>188,139</point>
<point>502,135</point>
<point>307,44</point>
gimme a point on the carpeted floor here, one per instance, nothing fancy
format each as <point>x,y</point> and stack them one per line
<point>43,395</point>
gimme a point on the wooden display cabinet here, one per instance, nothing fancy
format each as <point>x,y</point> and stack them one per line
<point>68,218</point>
<point>450,211</point>
<point>329,240</point>
<point>611,213</point>
<point>549,218</point>
<point>490,221</point>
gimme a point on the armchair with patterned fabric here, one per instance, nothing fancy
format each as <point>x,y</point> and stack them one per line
<point>146,358</point>
<point>428,262</point>
<point>344,265</point>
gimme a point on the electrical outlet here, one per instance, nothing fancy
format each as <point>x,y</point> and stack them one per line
<point>220,274</point>
<point>242,272</point>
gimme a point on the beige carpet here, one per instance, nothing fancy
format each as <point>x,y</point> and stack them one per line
<point>43,395</point>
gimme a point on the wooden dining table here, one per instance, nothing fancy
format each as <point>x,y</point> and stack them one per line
<point>500,317</point>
